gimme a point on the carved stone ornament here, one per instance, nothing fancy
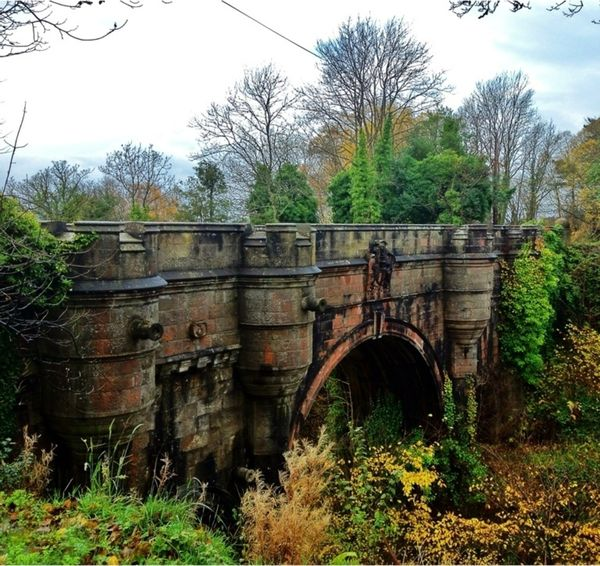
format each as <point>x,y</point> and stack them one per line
<point>380,268</point>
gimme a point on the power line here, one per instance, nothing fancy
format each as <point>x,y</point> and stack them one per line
<point>271,29</point>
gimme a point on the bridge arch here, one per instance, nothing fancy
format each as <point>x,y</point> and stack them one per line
<point>388,351</point>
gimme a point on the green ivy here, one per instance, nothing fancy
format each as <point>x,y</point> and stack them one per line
<point>457,458</point>
<point>338,416</point>
<point>527,306</point>
<point>449,418</point>
<point>10,370</point>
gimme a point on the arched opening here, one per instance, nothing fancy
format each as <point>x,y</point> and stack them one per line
<point>394,372</point>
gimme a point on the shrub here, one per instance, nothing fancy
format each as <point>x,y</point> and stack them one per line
<point>568,402</point>
<point>375,497</point>
<point>581,295</point>
<point>290,524</point>
<point>385,423</point>
<point>30,469</point>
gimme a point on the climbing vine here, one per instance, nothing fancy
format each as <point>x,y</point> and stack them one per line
<point>527,306</point>
<point>384,425</point>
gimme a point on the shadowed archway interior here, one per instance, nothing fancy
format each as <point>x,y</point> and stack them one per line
<point>380,367</point>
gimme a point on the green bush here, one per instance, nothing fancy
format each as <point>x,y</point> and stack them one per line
<point>34,279</point>
<point>567,403</point>
<point>385,423</point>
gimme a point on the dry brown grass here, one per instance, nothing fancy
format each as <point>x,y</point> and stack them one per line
<point>38,472</point>
<point>290,524</point>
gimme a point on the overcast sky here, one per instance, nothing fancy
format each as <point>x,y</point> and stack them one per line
<point>144,83</point>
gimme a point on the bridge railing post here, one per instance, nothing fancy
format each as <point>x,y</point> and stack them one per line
<point>98,365</point>
<point>468,285</point>
<point>276,283</point>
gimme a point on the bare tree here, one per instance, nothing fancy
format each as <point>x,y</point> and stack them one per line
<point>141,174</point>
<point>497,118</point>
<point>57,192</point>
<point>25,25</point>
<point>484,8</point>
<point>537,181</point>
<point>367,73</point>
<point>254,127</point>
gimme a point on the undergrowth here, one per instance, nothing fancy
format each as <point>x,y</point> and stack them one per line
<point>100,524</point>
<point>290,523</point>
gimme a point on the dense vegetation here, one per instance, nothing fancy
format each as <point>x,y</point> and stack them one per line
<point>34,282</point>
<point>99,524</point>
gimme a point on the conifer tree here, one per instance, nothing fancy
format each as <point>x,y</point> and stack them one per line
<point>365,207</point>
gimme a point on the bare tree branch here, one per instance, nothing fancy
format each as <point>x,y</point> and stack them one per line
<point>26,24</point>
<point>141,174</point>
<point>487,7</point>
<point>367,73</point>
<point>13,148</point>
<point>255,126</point>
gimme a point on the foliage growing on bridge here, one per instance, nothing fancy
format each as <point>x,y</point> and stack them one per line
<point>33,281</point>
<point>549,335</point>
<point>529,290</point>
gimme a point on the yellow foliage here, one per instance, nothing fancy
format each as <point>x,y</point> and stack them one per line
<point>162,207</point>
<point>583,204</point>
<point>536,513</point>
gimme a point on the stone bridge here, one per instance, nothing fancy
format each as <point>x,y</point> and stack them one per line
<point>211,341</point>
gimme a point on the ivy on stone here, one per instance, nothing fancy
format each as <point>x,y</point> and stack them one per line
<point>529,290</point>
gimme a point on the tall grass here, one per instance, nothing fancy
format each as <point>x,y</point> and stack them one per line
<point>289,524</point>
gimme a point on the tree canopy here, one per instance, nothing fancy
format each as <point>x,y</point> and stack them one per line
<point>285,197</point>
<point>204,196</point>
<point>368,72</point>
<point>57,192</point>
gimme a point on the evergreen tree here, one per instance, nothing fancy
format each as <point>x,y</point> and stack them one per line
<point>435,181</point>
<point>285,198</point>
<point>383,159</point>
<point>365,207</point>
<point>296,199</point>
<point>205,195</point>
<point>261,203</point>
<point>339,198</point>
<point>384,152</point>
